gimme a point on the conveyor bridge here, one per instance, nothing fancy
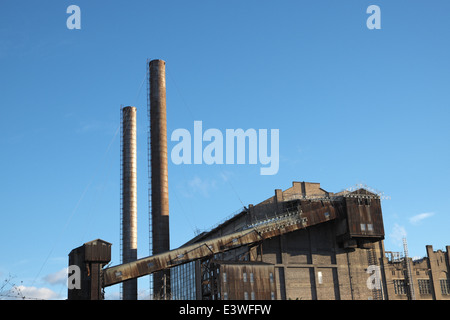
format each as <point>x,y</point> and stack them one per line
<point>283,223</point>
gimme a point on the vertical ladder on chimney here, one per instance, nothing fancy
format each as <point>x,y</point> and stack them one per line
<point>121,189</point>
<point>149,167</point>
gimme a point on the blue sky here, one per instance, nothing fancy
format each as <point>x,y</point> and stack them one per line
<point>352,106</point>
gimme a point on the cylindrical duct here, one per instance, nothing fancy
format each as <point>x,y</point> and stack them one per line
<point>129,197</point>
<point>159,173</point>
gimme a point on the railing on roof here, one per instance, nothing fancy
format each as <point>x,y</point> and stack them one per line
<point>223,220</point>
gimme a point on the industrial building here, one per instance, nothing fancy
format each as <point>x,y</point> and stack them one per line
<point>302,243</point>
<point>340,257</point>
<point>423,279</point>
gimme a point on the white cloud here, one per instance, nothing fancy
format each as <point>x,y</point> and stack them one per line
<point>143,294</point>
<point>59,277</point>
<point>397,234</point>
<point>22,292</point>
<point>198,185</point>
<point>419,217</point>
<point>26,293</point>
<point>112,295</point>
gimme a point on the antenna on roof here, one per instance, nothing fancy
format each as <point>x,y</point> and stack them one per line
<point>359,186</point>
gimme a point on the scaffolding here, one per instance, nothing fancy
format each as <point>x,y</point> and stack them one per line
<point>394,257</point>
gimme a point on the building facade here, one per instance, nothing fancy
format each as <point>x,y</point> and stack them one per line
<point>428,278</point>
<point>339,255</point>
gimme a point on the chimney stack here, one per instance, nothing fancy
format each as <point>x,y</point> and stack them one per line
<point>129,197</point>
<point>159,174</point>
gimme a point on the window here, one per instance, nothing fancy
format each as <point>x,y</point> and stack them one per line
<point>369,227</point>
<point>253,295</point>
<point>245,295</point>
<point>400,286</point>
<point>445,286</point>
<point>271,277</point>
<point>225,296</point>
<point>363,227</point>
<point>245,276</point>
<point>272,295</point>
<point>424,286</point>
<point>183,282</point>
<point>251,277</point>
<point>224,277</point>
<point>319,277</point>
